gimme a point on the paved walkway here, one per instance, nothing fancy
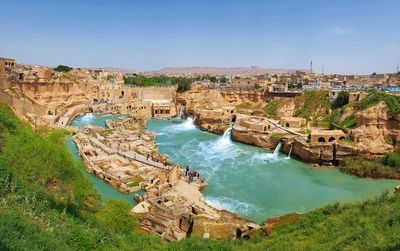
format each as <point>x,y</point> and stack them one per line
<point>286,129</point>
<point>143,159</point>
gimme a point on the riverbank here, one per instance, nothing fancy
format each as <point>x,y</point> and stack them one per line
<point>77,219</point>
<point>386,167</point>
<point>267,133</point>
<point>236,172</point>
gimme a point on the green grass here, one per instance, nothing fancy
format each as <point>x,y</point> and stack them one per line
<point>271,107</point>
<point>386,167</point>
<point>245,105</point>
<point>133,184</point>
<point>312,104</point>
<point>392,102</point>
<point>349,122</point>
<point>47,204</point>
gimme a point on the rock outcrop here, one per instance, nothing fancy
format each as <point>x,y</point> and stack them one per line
<point>372,129</point>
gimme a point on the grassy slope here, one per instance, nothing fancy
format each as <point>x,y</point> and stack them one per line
<point>310,105</point>
<point>374,97</point>
<point>46,204</point>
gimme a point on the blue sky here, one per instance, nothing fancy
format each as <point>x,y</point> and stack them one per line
<point>349,36</point>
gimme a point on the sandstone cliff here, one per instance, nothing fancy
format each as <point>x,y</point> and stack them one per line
<point>373,129</point>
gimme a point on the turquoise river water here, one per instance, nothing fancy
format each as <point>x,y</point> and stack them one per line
<point>253,182</point>
<point>247,180</point>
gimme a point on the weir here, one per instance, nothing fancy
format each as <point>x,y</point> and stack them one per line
<point>236,173</point>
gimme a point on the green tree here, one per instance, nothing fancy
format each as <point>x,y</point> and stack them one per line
<point>223,79</point>
<point>341,100</point>
<point>63,68</point>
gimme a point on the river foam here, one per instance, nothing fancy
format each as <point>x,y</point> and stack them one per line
<point>253,182</point>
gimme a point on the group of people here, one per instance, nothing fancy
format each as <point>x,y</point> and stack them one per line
<point>153,158</point>
<point>192,175</point>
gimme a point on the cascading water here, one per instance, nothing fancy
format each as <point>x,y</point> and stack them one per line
<point>180,114</point>
<point>274,156</point>
<point>187,124</point>
<point>277,149</point>
<point>290,151</point>
<point>225,140</point>
<point>227,133</point>
<point>236,173</point>
<point>88,117</point>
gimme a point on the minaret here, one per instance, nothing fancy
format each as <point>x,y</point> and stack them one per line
<point>322,70</point>
<point>397,68</point>
<point>311,66</point>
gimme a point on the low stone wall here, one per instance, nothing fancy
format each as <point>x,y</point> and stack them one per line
<point>254,138</point>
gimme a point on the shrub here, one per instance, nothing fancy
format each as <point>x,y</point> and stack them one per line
<point>312,103</point>
<point>392,102</point>
<point>392,160</point>
<point>63,68</point>
<point>383,168</point>
<point>349,122</point>
<point>341,100</point>
<point>270,108</point>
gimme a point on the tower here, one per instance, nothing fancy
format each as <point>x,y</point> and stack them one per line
<point>311,66</point>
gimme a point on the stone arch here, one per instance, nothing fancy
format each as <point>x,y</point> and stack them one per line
<point>321,139</point>
<point>287,125</point>
<point>341,138</point>
<point>331,139</point>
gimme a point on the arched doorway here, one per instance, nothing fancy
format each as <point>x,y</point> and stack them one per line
<point>331,139</point>
<point>321,139</point>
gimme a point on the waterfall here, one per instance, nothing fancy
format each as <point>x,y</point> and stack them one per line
<point>180,114</point>
<point>290,151</point>
<point>277,149</point>
<point>225,141</point>
<point>187,124</point>
<point>227,133</point>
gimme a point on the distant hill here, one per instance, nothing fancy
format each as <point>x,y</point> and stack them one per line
<point>246,71</point>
